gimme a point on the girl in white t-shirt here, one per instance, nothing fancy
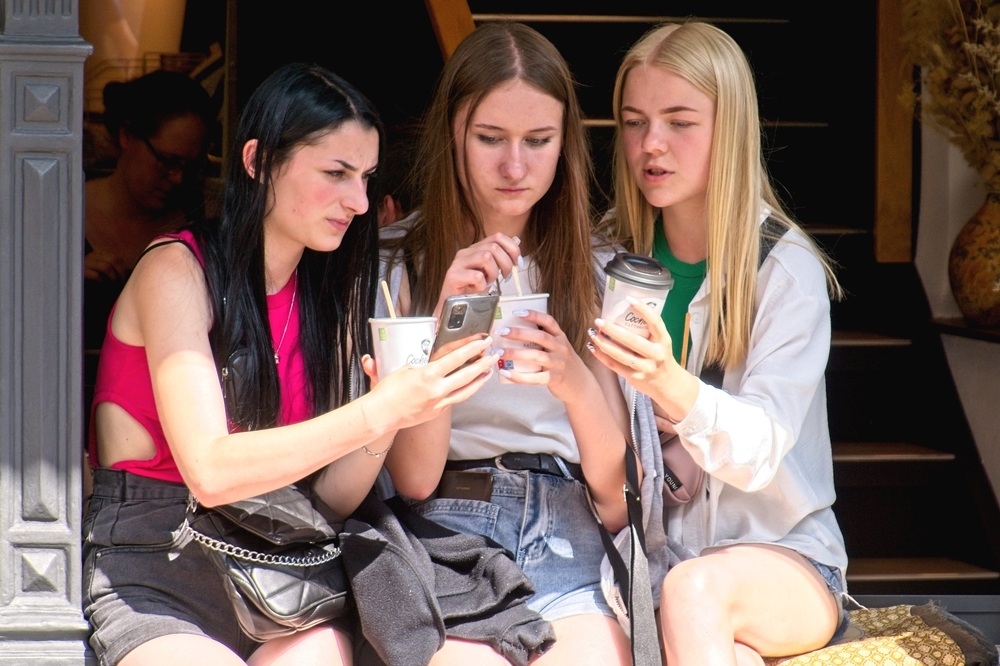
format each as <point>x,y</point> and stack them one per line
<point>505,185</point>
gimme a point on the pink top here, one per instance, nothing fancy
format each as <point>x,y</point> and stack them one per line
<point>123,378</point>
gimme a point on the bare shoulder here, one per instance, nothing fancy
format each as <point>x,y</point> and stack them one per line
<point>167,288</point>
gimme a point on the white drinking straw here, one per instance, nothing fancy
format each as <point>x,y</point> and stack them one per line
<point>388,299</point>
<point>517,280</point>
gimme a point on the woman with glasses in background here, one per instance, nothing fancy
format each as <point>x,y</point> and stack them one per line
<point>160,124</point>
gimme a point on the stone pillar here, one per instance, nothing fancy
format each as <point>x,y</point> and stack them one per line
<point>41,194</point>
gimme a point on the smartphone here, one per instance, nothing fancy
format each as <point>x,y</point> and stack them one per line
<point>465,316</point>
<point>466,485</point>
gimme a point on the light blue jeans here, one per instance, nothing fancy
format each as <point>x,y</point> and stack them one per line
<point>545,521</point>
<point>834,583</point>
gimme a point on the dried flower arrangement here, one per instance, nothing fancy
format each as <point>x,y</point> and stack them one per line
<point>957,43</point>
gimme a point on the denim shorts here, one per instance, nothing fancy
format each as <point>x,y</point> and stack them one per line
<point>138,583</point>
<point>834,583</point>
<point>546,522</point>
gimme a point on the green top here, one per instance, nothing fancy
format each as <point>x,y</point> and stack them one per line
<point>687,281</point>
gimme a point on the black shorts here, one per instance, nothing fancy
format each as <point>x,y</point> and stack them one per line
<point>137,584</point>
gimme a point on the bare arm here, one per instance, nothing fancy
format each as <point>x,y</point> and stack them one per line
<point>165,309</point>
<point>419,454</point>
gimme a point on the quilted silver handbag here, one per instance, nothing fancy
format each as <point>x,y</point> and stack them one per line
<point>279,558</point>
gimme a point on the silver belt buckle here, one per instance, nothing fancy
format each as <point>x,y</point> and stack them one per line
<point>498,461</point>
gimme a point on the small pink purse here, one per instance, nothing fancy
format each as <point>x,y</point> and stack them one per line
<point>682,476</point>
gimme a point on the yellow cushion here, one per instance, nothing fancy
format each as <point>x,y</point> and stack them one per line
<point>892,637</point>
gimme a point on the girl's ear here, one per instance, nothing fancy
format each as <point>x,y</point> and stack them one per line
<point>249,156</point>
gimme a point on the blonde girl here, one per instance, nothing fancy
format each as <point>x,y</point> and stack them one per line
<point>766,570</point>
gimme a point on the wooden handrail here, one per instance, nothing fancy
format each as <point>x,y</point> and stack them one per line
<point>452,21</point>
<point>893,229</point>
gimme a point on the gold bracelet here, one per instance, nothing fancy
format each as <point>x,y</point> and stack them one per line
<point>380,454</point>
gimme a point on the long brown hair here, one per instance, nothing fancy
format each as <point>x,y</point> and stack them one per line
<point>558,232</point>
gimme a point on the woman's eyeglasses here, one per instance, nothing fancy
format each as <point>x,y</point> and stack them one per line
<point>172,164</point>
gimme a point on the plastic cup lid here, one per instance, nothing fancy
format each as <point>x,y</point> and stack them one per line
<point>640,271</point>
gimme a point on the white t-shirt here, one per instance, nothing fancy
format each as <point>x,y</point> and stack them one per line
<point>512,417</point>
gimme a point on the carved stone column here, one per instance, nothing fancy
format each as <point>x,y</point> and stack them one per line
<point>41,193</point>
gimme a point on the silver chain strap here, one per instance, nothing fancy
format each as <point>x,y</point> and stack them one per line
<point>330,554</point>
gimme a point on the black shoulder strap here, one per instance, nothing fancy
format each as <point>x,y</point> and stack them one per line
<point>771,231</point>
<point>165,242</point>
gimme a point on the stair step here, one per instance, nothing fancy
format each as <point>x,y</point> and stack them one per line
<point>900,569</point>
<point>881,452</point>
<point>830,230</point>
<point>619,18</point>
<point>798,124</point>
<point>867,339</point>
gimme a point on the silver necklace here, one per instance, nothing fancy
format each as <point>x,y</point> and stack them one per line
<point>291,306</point>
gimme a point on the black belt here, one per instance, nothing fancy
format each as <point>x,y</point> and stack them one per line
<point>541,463</point>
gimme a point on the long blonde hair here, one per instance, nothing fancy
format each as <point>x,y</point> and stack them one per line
<point>712,62</point>
<point>558,235</point>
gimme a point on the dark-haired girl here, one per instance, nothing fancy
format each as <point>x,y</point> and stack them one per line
<point>287,278</point>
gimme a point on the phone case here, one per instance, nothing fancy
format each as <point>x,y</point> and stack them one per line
<point>476,319</point>
<point>466,485</point>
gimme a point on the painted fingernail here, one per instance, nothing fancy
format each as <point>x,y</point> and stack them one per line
<point>508,276</point>
<point>520,313</point>
<point>505,374</point>
<point>488,340</point>
<point>599,322</point>
<point>520,262</point>
<point>517,241</point>
<point>631,300</point>
<point>591,346</point>
<point>502,331</point>
<point>592,332</point>
<point>498,352</point>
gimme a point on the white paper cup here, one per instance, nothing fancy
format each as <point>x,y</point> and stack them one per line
<point>643,278</point>
<point>504,317</point>
<point>401,341</point>
<point>617,310</point>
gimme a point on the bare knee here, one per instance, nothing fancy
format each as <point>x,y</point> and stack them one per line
<point>693,586</point>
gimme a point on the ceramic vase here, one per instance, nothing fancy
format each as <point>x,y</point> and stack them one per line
<point>974,266</point>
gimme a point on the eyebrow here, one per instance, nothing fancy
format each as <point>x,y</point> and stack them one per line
<point>494,128</point>
<point>669,109</point>
<point>350,167</point>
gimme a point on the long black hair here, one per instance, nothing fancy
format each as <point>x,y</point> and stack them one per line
<point>294,106</point>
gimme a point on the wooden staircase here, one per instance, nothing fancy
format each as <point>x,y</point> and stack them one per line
<point>914,504</point>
